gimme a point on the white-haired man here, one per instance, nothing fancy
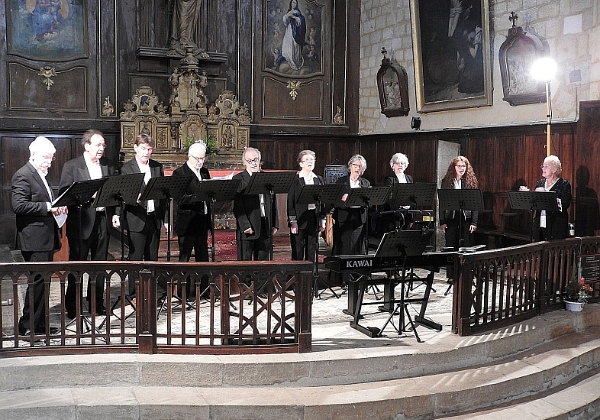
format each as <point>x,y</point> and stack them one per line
<point>254,213</point>
<point>193,218</point>
<point>37,231</point>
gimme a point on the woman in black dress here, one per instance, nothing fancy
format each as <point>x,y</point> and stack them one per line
<point>302,217</point>
<point>549,225</point>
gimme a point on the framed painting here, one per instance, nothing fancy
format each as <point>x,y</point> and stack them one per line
<point>47,30</point>
<point>293,37</point>
<point>452,54</point>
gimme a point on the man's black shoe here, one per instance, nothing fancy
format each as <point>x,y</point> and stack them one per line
<point>100,310</point>
<point>40,331</point>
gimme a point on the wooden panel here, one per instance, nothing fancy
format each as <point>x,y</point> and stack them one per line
<point>64,91</point>
<point>278,102</point>
<point>587,175</point>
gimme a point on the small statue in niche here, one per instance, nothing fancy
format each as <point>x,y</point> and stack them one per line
<point>202,83</point>
<point>338,118</point>
<point>107,108</point>
<point>174,82</point>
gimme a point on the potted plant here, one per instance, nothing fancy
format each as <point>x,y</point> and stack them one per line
<point>577,294</point>
<point>211,147</point>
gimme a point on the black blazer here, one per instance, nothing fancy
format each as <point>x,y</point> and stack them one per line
<point>187,211</point>
<point>246,209</point>
<point>298,212</point>
<point>36,227</point>
<point>77,170</point>
<point>557,222</point>
<point>341,214</point>
<point>135,215</point>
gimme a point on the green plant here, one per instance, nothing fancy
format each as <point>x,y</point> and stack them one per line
<point>211,146</point>
<point>578,290</point>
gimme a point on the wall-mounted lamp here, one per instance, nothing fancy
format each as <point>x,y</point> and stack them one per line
<point>544,70</point>
<point>415,123</point>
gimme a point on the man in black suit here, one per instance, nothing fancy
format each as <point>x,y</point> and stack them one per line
<point>87,226</point>
<point>253,214</point>
<point>37,231</point>
<point>193,218</point>
<point>144,220</point>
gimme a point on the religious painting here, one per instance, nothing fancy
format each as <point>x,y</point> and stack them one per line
<point>293,37</point>
<point>48,30</point>
<point>451,45</point>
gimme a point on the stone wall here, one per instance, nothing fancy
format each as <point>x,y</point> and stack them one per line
<point>571,27</point>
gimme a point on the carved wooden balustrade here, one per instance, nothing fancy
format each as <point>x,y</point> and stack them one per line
<point>505,286</point>
<point>239,307</point>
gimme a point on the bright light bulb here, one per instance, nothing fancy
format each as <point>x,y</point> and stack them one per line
<point>543,69</point>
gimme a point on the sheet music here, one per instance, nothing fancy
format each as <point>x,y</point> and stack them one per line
<point>60,219</point>
<point>216,178</point>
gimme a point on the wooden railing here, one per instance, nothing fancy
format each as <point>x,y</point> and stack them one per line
<point>239,307</point>
<point>505,286</point>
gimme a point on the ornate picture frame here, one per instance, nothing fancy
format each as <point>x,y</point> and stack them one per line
<point>452,54</point>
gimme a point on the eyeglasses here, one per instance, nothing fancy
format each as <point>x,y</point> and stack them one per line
<point>252,161</point>
<point>308,160</point>
<point>355,165</point>
<point>48,159</point>
<point>401,163</point>
<point>460,166</point>
<point>545,166</point>
<point>199,159</point>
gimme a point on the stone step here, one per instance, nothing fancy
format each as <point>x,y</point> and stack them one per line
<point>141,386</point>
<point>580,400</point>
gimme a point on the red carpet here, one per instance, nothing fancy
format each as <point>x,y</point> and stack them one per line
<point>225,246</point>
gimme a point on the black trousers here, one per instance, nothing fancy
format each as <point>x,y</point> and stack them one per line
<point>253,249</point>
<point>79,249</point>
<point>37,288</point>
<point>143,246</point>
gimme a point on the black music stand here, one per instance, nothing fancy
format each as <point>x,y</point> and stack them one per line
<point>532,201</point>
<point>460,200</point>
<point>79,193</point>
<point>270,183</point>
<point>119,190</point>
<point>212,191</point>
<point>406,243</point>
<point>415,195</point>
<point>321,196</point>
<point>366,197</point>
<point>166,187</point>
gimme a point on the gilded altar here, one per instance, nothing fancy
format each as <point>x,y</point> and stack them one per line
<point>187,118</point>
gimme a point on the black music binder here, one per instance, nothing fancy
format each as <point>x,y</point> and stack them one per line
<point>533,201</point>
<point>79,193</point>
